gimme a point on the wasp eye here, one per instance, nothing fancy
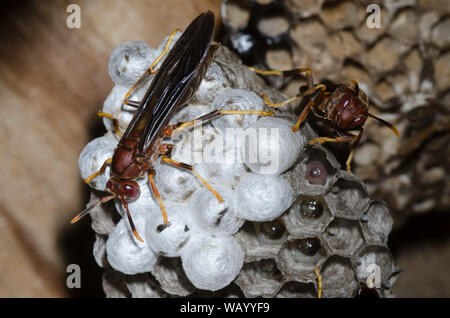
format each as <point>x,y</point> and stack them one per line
<point>358,121</point>
<point>345,101</point>
<point>131,192</point>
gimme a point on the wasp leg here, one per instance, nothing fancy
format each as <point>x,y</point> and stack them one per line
<point>303,115</point>
<point>162,149</point>
<point>281,104</point>
<point>310,104</point>
<point>191,168</point>
<point>99,172</point>
<point>166,49</point>
<point>307,71</point>
<point>244,112</point>
<point>307,107</point>
<point>354,139</point>
<point>165,148</point>
<point>114,120</point>
<point>352,151</point>
<point>322,140</point>
<point>158,197</point>
<point>309,91</point>
<point>149,72</point>
<point>319,282</point>
<point>130,220</point>
<point>167,131</point>
<point>309,80</point>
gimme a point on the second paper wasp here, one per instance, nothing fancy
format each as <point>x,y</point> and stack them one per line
<point>140,147</point>
<point>344,106</point>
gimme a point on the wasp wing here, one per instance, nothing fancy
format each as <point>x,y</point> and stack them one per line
<point>175,82</point>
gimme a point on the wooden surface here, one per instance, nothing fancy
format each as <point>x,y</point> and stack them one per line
<point>52,82</point>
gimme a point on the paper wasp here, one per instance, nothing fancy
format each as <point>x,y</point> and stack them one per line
<point>140,147</point>
<point>345,106</point>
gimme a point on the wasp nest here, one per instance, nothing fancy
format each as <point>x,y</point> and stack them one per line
<point>288,212</point>
<point>397,51</point>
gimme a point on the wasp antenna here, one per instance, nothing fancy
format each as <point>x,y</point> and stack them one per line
<point>392,127</point>
<point>90,207</point>
<point>130,220</point>
<point>355,84</point>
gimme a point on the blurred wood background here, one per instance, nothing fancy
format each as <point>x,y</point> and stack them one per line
<point>53,80</point>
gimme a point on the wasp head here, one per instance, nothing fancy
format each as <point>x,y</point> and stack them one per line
<point>351,107</point>
<point>126,189</point>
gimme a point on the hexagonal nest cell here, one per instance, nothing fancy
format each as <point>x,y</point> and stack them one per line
<point>307,215</point>
<point>377,223</point>
<point>298,258</point>
<point>260,279</point>
<point>377,255</point>
<point>343,237</point>
<point>315,170</point>
<point>347,198</point>
<point>297,290</point>
<point>338,278</point>
<point>262,240</point>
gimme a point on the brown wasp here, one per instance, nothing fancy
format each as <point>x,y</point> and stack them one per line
<point>345,106</point>
<point>140,147</point>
